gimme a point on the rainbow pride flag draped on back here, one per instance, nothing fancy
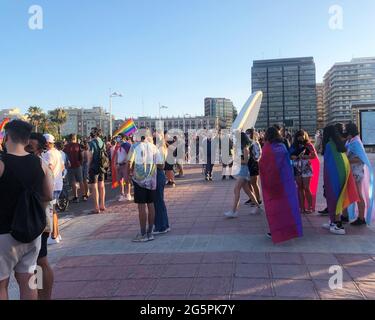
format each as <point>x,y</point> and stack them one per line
<point>339,184</point>
<point>280,193</point>
<point>367,185</point>
<point>127,128</point>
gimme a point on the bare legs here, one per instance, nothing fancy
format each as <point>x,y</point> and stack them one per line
<point>26,292</point>
<point>304,193</point>
<point>48,278</point>
<point>361,204</point>
<point>254,187</point>
<point>101,188</point>
<point>242,184</point>
<point>95,196</point>
<point>144,217</point>
<point>4,289</point>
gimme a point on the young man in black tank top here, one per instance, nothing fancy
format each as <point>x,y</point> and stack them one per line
<point>18,167</point>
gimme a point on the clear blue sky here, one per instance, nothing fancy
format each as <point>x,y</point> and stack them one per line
<point>176,52</point>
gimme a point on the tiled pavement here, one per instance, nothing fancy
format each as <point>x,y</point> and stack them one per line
<point>206,256</point>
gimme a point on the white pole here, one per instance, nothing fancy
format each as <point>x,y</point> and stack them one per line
<point>110,116</point>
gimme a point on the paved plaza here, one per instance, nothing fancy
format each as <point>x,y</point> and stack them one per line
<point>206,256</point>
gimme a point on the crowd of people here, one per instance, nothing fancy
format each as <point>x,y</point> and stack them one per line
<point>279,174</point>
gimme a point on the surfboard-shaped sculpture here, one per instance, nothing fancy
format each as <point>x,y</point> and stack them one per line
<point>249,113</point>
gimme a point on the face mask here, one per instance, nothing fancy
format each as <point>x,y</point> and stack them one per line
<point>118,140</point>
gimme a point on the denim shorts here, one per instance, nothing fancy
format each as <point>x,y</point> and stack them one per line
<point>244,172</point>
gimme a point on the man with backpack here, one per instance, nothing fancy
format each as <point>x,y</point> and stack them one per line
<point>98,166</point>
<point>25,184</point>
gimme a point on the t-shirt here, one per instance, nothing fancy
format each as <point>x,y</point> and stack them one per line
<point>122,155</point>
<point>95,146</point>
<point>145,157</point>
<point>55,161</point>
<point>73,151</point>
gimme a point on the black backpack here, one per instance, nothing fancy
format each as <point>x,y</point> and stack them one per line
<point>29,219</point>
<point>103,159</point>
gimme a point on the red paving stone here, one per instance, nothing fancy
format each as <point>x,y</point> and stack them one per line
<point>135,287</point>
<point>252,271</point>
<point>295,288</point>
<point>348,292</point>
<point>211,286</point>
<point>209,275</point>
<point>99,289</point>
<point>216,270</point>
<point>252,287</point>
<point>173,286</point>
<point>285,271</point>
<point>320,258</point>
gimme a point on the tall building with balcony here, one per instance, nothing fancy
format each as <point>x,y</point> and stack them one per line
<point>81,121</point>
<point>289,93</point>
<point>320,110</point>
<point>221,108</point>
<point>345,83</point>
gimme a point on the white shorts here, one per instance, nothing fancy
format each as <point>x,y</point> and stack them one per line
<point>17,256</point>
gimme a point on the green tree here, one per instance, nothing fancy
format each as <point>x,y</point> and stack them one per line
<point>58,117</point>
<point>35,116</point>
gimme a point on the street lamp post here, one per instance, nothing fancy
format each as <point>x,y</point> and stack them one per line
<point>112,95</point>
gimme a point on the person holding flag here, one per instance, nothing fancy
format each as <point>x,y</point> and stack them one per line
<point>119,167</point>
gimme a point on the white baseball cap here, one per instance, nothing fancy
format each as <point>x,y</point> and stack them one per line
<point>49,138</point>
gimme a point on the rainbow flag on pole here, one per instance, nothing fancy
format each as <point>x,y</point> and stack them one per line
<point>2,127</point>
<point>127,128</point>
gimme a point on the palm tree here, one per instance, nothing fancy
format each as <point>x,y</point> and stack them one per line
<point>35,116</point>
<point>59,117</point>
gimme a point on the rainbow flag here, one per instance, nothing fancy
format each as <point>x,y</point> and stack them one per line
<point>128,128</point>
<point>280,193</point>
<point>340,187</point>
<point>2,127</point>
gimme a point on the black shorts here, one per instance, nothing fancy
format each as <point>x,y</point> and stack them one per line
<point>43,248</point>
<point>253,168</point>
<point>168,167</point>
<point>230,165</point>
<point>95,176</point>
<point>143,195</point>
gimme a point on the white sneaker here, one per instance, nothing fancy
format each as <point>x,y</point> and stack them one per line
<point>335,229</point>
<point>255,210</point>
<point>51,241</point>
<point>121,198</point>
<point>129,197</point>
<point>59,237</point>
<point>328,225</point>
<point>231,214</point>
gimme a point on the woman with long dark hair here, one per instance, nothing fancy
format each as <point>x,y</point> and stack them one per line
<point>306,170</point>
<point>243,179</point>
<point>339,184</point>
<point>279,189</point>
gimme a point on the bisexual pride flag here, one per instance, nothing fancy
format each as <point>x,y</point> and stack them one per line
<point>128,128</point>
<point>280,193</point>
